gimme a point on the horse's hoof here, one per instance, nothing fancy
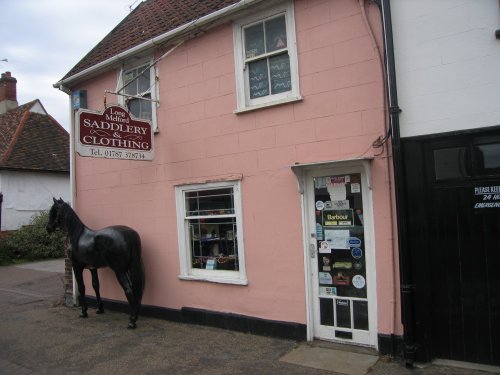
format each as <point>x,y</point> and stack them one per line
<point>84,315</point>
<point>132,325</point>
<point>99,311</point>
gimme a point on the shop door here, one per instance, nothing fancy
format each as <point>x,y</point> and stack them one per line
<point>464,233</point>
<point>341,258</point>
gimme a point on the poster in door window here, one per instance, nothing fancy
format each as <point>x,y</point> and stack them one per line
<point>341,262</point>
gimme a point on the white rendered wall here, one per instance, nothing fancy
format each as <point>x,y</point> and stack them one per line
<point>27,193</point>
<point>447,64</point>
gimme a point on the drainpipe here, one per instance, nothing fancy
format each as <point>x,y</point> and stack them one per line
<point>1,201</point>
<point>405,266</point>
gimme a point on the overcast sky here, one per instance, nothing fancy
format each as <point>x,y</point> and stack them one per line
<point>43,39</point>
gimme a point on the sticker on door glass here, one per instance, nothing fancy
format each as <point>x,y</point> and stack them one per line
<point>358,281</point>
<point>319,232</point>
<point>357,265</point>
<point>320,182</point>
<point>325,278</point>
<point>356,252</point>
<point>343,265</point>
<point>324,247</point>
<point>339,205</point>
<point>338,218</point>
<point>355,188</point>
<point>337,238</point>
<point>327,291</point>
<point>354,242</point>
<point>336,180</point>
<point>326,264</point>
<point>337,191</point>
<point>320,205</point>
<point>341,279</point>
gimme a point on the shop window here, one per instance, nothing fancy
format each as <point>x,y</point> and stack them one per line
<point>210,232</point>
<point>266,59</point>
<point>450,163</point>
<point>137,84</point>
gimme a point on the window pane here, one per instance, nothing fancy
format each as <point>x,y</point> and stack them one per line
<point>254,41</point>
<point>276,34</point>
<point>130,87</point>
<point>487,159</point>
<point>134,106</point>
<point>140,108</point>
<point>343,312</point>
<point>259,79</point>
<point>146,109</point>
<point>214,243</point>
<point>450,163</point>
<point>280,74</point>
<point>143,84</point>
<point>360,314</point>
<point>210,202</point>
<point>326,312</point>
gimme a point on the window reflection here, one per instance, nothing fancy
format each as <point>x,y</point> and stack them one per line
<point>450,163</point>
<point>487,159</point>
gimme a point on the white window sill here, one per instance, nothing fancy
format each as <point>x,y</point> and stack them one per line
<point>214,279</point>
<point>269,104</point>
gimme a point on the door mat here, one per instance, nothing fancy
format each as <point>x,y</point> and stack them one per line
<point>338,361</point>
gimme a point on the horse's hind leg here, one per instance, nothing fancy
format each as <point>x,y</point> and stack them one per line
<point>95,285</point>
<point>126,284</point>
<point>78,270</point>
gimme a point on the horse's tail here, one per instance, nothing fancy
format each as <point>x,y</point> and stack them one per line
<point>137,274</point>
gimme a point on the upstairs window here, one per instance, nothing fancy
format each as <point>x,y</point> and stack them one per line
<point>266,59</point>
<point>137,84</point>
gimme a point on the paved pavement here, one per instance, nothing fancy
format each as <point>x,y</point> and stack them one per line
<point>40,335</point>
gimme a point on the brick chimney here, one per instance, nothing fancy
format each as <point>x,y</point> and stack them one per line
<point>8,93</point>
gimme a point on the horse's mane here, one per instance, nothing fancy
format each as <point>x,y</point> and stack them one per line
<point>70,220</point>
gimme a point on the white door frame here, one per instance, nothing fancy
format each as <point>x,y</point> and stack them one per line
<point>304,174</point>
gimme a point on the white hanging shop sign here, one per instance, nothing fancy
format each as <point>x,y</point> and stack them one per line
<point>113,134</point>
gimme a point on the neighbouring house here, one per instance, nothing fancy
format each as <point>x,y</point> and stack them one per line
<point>447,56</point>
<point>266,203</point>
<point>34,158</point>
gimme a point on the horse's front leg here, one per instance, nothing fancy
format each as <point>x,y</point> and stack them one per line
<point>95,285</point>
<point>126,284</point>
<point>78,270</point>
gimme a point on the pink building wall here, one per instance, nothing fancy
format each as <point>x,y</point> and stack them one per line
<point>201,139</point>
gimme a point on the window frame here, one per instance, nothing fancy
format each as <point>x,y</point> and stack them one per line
<point>244,103</point>
<point>141,63</point>
<point>187,272</point>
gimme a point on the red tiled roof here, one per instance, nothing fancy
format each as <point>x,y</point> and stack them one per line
<point>32,141</point>
<point>148,20</point>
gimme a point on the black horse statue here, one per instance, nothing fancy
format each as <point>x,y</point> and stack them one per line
<point>117,247</point>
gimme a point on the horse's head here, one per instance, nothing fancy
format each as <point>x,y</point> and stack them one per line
<point>55,215</point>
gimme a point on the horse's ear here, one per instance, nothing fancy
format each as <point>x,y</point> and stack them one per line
<point>61,200</point>
<point>54,199</point>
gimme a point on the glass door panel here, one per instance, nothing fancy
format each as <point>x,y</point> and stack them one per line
<point>341,262</point>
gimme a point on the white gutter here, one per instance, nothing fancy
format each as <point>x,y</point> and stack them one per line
<point>156,41</point>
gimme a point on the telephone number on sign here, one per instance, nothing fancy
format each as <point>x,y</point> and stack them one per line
<point>134,155</point>
<point>117,154</point>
